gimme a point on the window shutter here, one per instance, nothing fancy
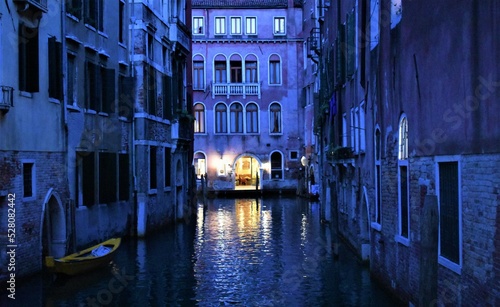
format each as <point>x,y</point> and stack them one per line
<point>350,45</point>
<point>55,69</point>
<point>167,97</point>
<point>127,97</point>
<point>109,91</point>
<point>340,53</point>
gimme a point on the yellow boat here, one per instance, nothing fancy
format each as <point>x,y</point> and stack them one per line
<point>86,260</point>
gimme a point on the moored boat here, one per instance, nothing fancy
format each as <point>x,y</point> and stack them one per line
<point>86,260</point>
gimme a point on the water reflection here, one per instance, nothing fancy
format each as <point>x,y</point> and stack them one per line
<point>245,252</point>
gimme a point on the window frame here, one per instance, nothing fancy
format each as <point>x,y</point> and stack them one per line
<point>273,118</point>
<point>236,116</point>
<point>33,178</point>
<point>197,168</point>
<point>403,164</point>
<point>254,25</point>
<point>442,260</point>
<point>232,20</point>
<point>199,125</point>
<point>377,150</point>
<point>254,117</point>
<point>224,128</point>
<point>152,171</point>
<point>280,23</point>
<point>196,24</point>
<point>199,72</point>
<point>275,169</point>
<point>275,66</point>
<point>220,26</point>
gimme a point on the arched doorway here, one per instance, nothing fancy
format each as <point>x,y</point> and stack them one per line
<point>247,172</point>
<point>53,226</point>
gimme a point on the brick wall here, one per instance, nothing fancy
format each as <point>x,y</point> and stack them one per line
<point>50,173</point>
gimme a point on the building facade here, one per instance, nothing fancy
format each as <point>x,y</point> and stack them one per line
<point>162,129</point>
<point>413,132</point>
<point>96,141</point>
<point>246,93</point>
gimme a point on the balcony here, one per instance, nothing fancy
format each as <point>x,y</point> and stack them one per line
<point>33,4</point>
<point>6,100</point>
<point>236,89</point>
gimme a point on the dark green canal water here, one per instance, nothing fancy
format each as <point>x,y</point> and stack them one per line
<point>243,252</point>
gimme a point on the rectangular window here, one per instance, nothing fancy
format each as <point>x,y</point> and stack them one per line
<point>168,97</point>
<point>198,28</point>
<point>126,87</point>
<point>151,89</point>
<point>353,130</point>
<point>150,50</point>
<point>124,177</point>
<point>28,59</point>
<point>279,26</point>
<point>362,128</point>
<point>404,205</point>
<point>94,14</point>
<point>107,178</point>
<point>167,164</point>
<point>344,130</point>
<point>88,178</point>
<point>198,75</point>
<point>55,69</point>
<point>72,80</point>
<point>28,179</point>
<point>121,16</point>
<point>92,82</point>
<point>450,232</point>
<point>74,8</point>
<point>236,25</point>
<point>251,25</point>
<point>107,88</point>
<point>220,25</point>
<point>152,167</point>
<point>378,178</point>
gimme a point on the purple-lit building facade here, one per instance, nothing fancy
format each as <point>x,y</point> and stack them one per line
<point>414,126</point>
<point>246,93</point>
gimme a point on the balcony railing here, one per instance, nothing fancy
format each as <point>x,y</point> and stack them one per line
<point>236,89</point>
<point>6,101</point>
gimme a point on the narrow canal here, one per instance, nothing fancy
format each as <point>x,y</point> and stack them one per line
<point>266,252</point>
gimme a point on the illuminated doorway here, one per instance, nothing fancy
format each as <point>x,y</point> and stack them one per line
<point>246,172</point>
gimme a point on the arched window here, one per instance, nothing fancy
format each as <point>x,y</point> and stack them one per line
<point>251,69</point>
<point>275,118</point>
<point>252,117</point>
<point>236,118</point>
<point>404,181</point>
<point>198,73</point>
<point>220,69</point>
<point>220,118</point>
<point>199,118</point>
<point>276,165</point>
<point>274,69</point>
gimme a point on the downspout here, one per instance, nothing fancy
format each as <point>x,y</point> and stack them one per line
<point>131,14</point>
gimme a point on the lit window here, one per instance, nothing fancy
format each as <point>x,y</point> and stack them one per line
<point>200,164</point>
<point>236,25</point>
<point>199,115</point>
<point>220,25</point>
<point>279,26</point>
<point>198,25</point>
<point>251,25</point>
